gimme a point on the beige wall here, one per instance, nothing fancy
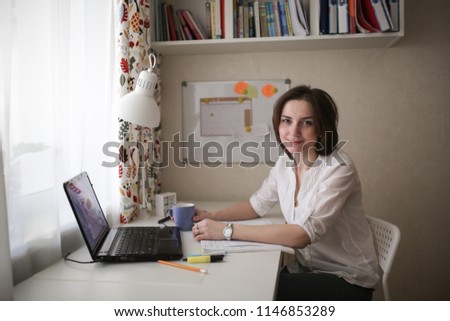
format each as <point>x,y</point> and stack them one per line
<point>394,108</point>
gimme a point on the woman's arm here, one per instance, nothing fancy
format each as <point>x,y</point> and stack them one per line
<point>290,235</point>
<point>238,212</point>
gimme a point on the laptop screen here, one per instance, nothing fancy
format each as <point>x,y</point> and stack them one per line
<point>87,209</point>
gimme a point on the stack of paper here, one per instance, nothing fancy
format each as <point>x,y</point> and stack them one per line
<point>209,247</point>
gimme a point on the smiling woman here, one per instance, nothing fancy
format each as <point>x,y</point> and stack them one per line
<point>319,192</point>
<point>55,117</point>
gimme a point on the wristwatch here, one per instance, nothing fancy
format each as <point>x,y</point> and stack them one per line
<point>228,231</point>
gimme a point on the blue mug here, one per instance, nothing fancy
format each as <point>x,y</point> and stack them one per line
<point>182,214</point>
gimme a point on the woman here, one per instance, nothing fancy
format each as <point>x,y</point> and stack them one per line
<point>319,192</point>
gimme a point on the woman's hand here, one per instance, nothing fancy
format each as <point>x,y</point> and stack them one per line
<point>201,215</point>
<point>208,229</point>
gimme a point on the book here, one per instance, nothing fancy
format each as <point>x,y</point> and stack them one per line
<point>324,17</point>
<point>245,18</point>
<point>288,18</point>
<point>314,17</point>
<point>222,19</point>
<point>196,30</point>
<point>263,19</point>
<point>394,10</point>
<point>240,13</point>
<point>361,23</point>
<point>387,14</point>
<point>156,7</point>
<point>381,14</point>
<point>297,27</point>
<point>332,22</point>
<point>164,25</point>
<point>302,15</point>
<point>208,19</point>
<point>276,21</point>
<point>212,17</point>
<point>178,28</point>
<point>218,20</point>
<point>171,23</point>
<point>342,8</point>
<point>270,19</point>
<point>251,20</point>
<point>283,19</point>
<point>184,27</point>
<point>235,19</point>
<point>352,16</point>
<point>257,19</point>
<point>369,14</point>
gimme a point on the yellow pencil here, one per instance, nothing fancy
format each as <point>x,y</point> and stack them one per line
<point>182,266</point>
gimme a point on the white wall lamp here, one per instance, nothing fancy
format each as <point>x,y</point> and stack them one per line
<point>139,106</point>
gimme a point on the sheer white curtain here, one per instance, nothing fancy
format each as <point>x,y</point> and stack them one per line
<point>57,112</point>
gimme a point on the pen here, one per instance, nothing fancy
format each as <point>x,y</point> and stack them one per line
<point>181,266</point>
<point>204,258</point>
<point>164,219</point>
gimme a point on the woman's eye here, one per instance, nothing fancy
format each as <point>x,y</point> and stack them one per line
<point>307,123</point>
<point>285,121</point>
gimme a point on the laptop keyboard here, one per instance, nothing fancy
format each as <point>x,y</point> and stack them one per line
<point>136,241</point>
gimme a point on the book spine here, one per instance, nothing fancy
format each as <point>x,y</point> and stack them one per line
<point>222,19</point>
<point>213,20</point>
<point>235,19</point>
<point>352,16</point>
<point>277,21</point>
<point>343,26</point>
<point>381,15</point>
<point>241,19</point>
<point>184,26</point>
<point>282,15</point>
<point>394,10</point>
<point>218,23</point>
<point>324,17</point>
<point>257,19</point>
<point>289,18</point>
<point>369,14</point>
<point>171,23</point>
<point>208,19</point>
<point>251,20</point>
<point>164,30</point>
<point>332,22</point>
<point>192,24</point>
<point>270,19</point>
<point>245,18</point>
<point>263,19</point>
<point>303,18</point>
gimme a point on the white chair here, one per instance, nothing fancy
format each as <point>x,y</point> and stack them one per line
<point>386,237</point>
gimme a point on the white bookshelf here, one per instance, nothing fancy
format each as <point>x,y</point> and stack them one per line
<point>269,44</point>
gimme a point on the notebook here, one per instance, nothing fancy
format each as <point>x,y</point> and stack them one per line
<point>120,244</point>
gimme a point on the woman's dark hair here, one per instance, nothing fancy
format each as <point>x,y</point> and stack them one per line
<point>325,114</point>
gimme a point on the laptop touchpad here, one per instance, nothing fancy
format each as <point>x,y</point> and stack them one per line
<point>168,246</point>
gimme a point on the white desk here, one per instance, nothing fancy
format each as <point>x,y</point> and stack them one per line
<point>241,276</point>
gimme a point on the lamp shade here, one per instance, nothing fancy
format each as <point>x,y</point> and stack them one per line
<point>139,106</point>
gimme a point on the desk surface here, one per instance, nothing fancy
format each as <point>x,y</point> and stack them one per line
<point>241,276</point>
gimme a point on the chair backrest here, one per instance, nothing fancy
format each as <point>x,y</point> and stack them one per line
<point>386,237</point>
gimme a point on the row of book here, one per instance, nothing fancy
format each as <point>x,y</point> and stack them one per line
<point>181,24</point>
<point>177,25</point>
<point>356,16</point>
<point>300,18</point>
<point>277,18</point>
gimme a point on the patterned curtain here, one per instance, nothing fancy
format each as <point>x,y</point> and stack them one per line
<point>140,146</point>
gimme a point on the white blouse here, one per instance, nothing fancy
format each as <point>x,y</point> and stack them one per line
<point>330,211</point>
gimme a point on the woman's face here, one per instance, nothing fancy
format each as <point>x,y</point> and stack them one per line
<point>297,129</point>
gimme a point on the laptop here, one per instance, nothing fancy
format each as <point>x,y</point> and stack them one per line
<point>123,243</point>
